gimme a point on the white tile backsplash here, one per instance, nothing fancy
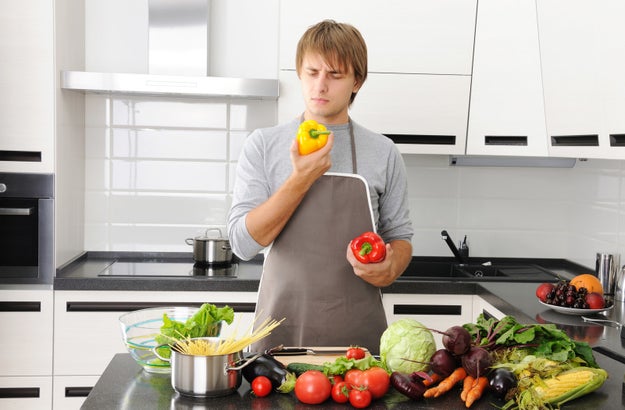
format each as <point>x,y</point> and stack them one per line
<point>160,171</point>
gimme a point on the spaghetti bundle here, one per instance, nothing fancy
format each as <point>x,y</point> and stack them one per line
<point>216,347</point>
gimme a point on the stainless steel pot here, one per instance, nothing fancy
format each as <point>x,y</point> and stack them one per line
<point>210,250</point>
<point>206,376</point>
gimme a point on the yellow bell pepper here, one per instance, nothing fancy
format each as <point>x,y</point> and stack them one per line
<point>311,136</point>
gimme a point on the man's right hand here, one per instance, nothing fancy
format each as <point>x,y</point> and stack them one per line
<point>308,168</point>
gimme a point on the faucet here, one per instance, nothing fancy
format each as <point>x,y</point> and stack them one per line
<point>462,259</point>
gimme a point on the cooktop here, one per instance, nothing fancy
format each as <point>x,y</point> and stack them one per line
<point>164,269</point>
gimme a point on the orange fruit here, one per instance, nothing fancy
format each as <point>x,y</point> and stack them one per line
<point>588,281</point>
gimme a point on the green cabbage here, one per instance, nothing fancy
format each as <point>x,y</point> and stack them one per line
<point>407,339</point>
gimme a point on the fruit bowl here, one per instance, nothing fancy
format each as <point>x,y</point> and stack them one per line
<point>140,328</point>
<point>573,311</point>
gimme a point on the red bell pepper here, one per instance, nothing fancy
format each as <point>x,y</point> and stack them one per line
<point>368,248</point>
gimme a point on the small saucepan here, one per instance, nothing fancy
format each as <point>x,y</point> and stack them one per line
<point>205,376</point>
<point>211,250</point>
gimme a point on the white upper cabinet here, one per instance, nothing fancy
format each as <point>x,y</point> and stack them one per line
<point>582,50</point>
<point>27,86</point>
<point>422,36</point>
<point>420,56</point>
<point>507,115</point>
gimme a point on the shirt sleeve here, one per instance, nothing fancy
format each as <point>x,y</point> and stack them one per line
<point>251,189</point>
<point>394,220</point>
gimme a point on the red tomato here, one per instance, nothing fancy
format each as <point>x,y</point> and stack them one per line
<point>312,387</point>
<point>353,377</point>
<point>340,392</point>
<point>377,381</point>
<point>261,386</point>
<point>336,379</point>
<point>355,352</point>
<point>359,398</point>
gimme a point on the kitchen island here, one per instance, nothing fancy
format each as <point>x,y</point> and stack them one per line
<point>124,385</point>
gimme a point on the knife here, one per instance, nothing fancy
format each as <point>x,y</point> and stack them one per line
<point>295,351</point>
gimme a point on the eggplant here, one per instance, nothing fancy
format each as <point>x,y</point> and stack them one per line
<point>266,365</point>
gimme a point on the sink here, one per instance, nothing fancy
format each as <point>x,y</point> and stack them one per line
<point>447,270</point>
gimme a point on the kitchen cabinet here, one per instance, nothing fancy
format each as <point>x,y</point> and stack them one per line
<point>424,114</point>
<point>507,115</point>
<point>69,392</point>
<point>583,60</point>
<point>414,93</point>
<point>87,332</point>
<point>25,393</point>
<point>481,306</point>
<point>26,371</point>
<point>27,86</point>
<point>438,312</point>
<point>401,36</point>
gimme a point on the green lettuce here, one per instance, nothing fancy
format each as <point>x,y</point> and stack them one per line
<point>205,322</point>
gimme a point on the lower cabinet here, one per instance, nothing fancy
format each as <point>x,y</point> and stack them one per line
<point>25,393</point>
<point>438,312</point>
<point>88,334</point>
<point>26,344</point>
<point>480,306</point>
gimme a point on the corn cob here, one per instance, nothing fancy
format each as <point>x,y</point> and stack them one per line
<point>570,385</point>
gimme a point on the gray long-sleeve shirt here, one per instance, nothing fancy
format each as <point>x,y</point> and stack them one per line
<point>265,164</point>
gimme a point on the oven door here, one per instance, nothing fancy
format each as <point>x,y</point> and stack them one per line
<point>26,239</point>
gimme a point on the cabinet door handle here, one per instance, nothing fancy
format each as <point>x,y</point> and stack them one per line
<point>16,211</point>
<point>77,391</point>
<point>455,310</point>
<point>18,392</point>
<point>590,140</point>
<point>520,140</point>
<point>617,140</point>
<point>422,139</point>
<point>130,306</point>
<point>14,306</point>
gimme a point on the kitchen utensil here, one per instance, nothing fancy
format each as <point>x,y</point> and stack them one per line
<point>210,250</point>
<point>606,268</point>
<point>206,376</point>
<point>461,259</point>
<point>140,327</point>
<point>574,311</point>
<point>602,321</point>
<point>619,285</point>
<point>296,351</point>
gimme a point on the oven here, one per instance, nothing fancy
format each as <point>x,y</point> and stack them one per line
<point>26,228</point>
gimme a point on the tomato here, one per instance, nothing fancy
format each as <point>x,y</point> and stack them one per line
<point>355,352</point>
<point>336,379</point>
<point>353,377</point>
<point>261,386</point>
<point>312,387</point>
<point>377,381</point>
<point>340,392</point>
<point>359,398</point>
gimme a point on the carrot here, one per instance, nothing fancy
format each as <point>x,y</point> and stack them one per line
<point>446,384</point>
<point>468,384</point>
<point>476,391</point>
<point>434,378</point>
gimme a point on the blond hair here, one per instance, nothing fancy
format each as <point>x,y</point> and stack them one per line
<point>340,44</point>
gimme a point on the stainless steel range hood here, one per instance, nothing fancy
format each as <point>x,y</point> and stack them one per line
<point>177,60</point>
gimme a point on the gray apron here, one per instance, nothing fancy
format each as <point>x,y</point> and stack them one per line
<point>307,279</point>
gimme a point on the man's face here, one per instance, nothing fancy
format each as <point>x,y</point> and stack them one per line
<point>326,90</point>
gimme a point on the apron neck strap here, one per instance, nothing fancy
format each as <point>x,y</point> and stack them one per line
<point>352,141</point>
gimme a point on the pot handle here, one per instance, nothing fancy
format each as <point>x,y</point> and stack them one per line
<point>155,351</point>
<point>214,229</point>
<point>240,364</point>
<point>189,241</point>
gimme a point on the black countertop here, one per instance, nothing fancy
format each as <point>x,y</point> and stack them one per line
<point>125,385</point>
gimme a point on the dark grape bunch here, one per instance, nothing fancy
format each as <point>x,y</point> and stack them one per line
<point>566,295</point>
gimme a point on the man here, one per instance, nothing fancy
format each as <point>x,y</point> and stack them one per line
<point>308,208</point>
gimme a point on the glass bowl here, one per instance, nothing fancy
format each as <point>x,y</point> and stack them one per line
<point>140,328</point>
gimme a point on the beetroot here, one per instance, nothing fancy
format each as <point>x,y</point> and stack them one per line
<point>457,340</point>
<point>477,361</point>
